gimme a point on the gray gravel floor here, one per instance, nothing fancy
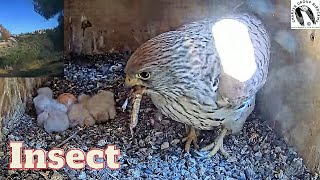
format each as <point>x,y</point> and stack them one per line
<point>156,151</point>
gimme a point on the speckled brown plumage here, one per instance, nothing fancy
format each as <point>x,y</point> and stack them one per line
<point>187,81</point>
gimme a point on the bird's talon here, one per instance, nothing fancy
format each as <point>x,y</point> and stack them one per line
<point>192,137</point>
<point>195,144</point>
<point>217,145</point>
<point>188,141</point>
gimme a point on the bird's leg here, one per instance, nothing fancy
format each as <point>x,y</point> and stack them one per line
<point>217,145</point>
<point>192,137</point>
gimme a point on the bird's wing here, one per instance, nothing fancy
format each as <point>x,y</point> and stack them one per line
<point>299,16</point>
<point>202,56</point>
<point>311,16</point>
<point>234,50</point>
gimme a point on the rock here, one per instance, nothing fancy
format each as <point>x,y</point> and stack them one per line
<point>158,133</point>
<point>175,141</point>
<point>243,150</point>
<point>232,159</point>
<point>165,145</point>
<point>116,67</point>
<point>56,176</point>
<point>258,154</point>
<point>11,138</point>
<point>242,176</point>
<point>13,40</point>
<point>250,174</point>
<point>165,122</point>
<point>57,137</point>
<point>105,68</point>
<point>83,175</point>
<point>141,143</point>
<point>277,149</point>
<point>135,173</point>
<point>295,168</point>
<point>102,143</point>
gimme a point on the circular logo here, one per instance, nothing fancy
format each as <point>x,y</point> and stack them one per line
<point>305,13</point>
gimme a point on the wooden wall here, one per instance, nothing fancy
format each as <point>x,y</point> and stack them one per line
<point>122,25</point>
<point>13,94</point>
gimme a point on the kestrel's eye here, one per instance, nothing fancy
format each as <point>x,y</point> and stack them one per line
<point>143,75</point>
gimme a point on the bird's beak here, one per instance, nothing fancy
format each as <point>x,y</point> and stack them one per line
<point>132,81</point>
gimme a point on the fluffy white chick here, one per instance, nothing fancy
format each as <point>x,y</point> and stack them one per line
<point>43,101</point>
<point>101,106</point>
<point>53,120</point>
<point>78,115</point>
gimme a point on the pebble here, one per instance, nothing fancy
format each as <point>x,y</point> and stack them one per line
<point>83,175</point>
<point>165,122</point>
<point>175,141</point>
<point>232,159</point>
<point>135,173</point>
<point>258,154</point>
<point>11,137</point>
<point>102,142</point>
<point>56,176</point>
<point>41,144</point>
<point>146,170</point>
<point>165,145</point>
<point>105,68</point>
<point>250,174</point>
<point>242,176</point>
<point>57,137</point>
<point>277,149</point>
<point>244,149</point>
<point>141,143</point>
<point>158,133</point>
<point>116,67</point>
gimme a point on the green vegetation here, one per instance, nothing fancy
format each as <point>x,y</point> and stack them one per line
<point>38,54</point>
<point>35,54</point>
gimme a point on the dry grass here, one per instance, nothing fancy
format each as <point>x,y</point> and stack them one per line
<point>13,95</point>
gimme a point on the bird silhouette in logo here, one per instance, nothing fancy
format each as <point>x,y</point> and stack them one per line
<point>307,10</point>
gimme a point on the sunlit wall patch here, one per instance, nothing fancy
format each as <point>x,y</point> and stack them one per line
<point>235,49</point>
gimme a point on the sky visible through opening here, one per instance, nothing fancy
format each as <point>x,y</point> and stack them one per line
<point>18,16</point>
